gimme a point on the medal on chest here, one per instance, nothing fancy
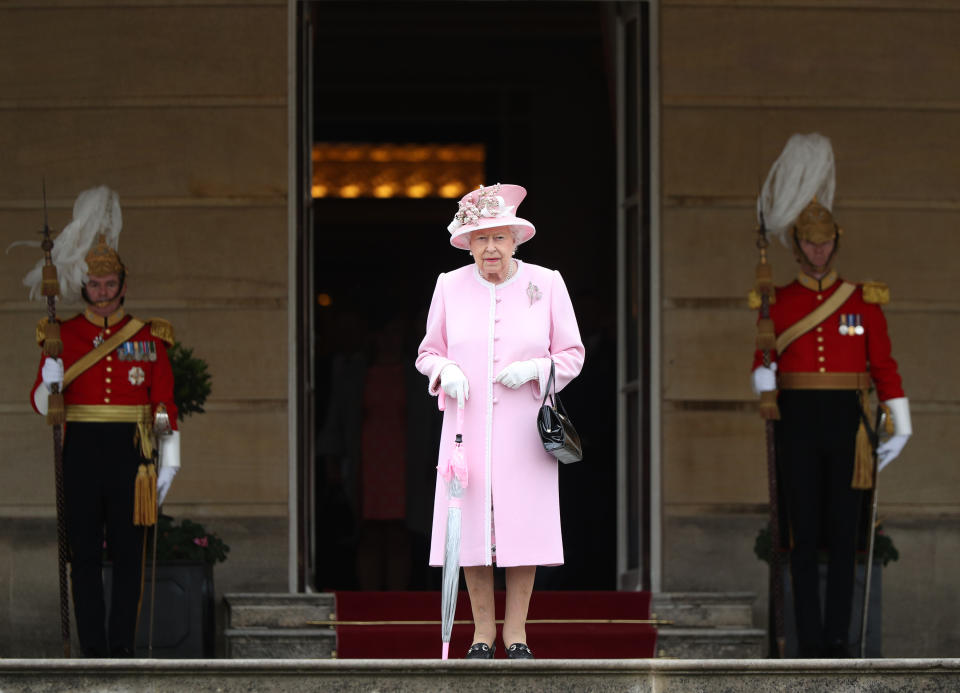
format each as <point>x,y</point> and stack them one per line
<point>851,324</point>
<point>136,376</point>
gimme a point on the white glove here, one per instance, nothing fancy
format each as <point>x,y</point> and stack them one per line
<point>888,450</point>
<point>169,463</point>
<point>764,379</point>
<point>517,373</point>
<point>164,479</point>
<point>454,383</point>
<point>52,372</point>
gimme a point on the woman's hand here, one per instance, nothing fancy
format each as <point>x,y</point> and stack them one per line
<point>517,373</point>
<point>454,383</point>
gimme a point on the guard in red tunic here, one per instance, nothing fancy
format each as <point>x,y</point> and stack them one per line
<point>832,346</point>
<point>115,377</point>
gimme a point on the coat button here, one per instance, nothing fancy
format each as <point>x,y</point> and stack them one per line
<point>496,319</point>
<point>107,380</point>
<point>499,299</point>
<point>822,359</point>
<point>496,358</point>
<point>109,390</point>
<point>106,400</point>
<point>495,400</point>
<point>822,369</point>
<point>109,358</point>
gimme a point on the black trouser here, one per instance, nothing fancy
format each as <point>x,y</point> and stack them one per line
<point>100,463</point>
<point>816,443</point>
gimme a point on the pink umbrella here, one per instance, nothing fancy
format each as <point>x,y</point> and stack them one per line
<point>453,471</point>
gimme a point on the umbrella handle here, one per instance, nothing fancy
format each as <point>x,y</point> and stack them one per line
<point>459,419</point>
<point>446,651</point>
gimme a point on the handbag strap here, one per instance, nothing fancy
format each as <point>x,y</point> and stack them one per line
<point>554,397</point>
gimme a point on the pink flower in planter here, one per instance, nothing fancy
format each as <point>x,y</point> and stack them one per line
<point>200,541</point>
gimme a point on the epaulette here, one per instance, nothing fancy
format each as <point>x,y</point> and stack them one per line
<point>876,292</point>
<point>161,329</point>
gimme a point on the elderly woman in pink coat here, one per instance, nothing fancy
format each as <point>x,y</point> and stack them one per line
<point>493,328</point>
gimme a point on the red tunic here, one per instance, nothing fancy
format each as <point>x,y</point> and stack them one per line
<point>137,380</point>
<point>825,349</point>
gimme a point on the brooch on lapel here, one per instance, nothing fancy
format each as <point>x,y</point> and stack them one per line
<point>533,291</point>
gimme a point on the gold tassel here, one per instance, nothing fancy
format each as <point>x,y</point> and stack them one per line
<point>863,457</point>
<point>768,405</point>
<point>56,412</point>
<point>52,344</point>
<point>49,284</point>
<point>766,336</point>
<point>145,496</point>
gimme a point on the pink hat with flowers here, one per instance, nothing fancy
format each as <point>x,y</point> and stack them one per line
<point>489,207</point>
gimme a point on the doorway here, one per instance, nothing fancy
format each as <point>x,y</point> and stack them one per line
<point>532,84</point>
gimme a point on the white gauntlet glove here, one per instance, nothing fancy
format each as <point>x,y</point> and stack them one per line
<point>52,372</point>
<point>454,383</point>
<point>888,450</point>
<point>517,373</point>
<point>169,463</point>
<point>764,379</point>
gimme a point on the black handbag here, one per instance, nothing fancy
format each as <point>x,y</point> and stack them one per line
<point>556,430</point>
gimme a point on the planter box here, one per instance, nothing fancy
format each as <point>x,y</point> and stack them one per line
<point>183,613</point>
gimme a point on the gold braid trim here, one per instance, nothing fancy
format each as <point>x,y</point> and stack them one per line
<point>876,292</point>
<point>162,329</point>
<point>140,414</point>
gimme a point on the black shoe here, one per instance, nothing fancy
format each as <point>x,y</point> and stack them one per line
<point>480,650</point>
<point>519,650</point>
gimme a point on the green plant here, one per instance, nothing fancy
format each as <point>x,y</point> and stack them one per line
<point>191,381</point>
<point>883,548</point>
<point>188,541</point>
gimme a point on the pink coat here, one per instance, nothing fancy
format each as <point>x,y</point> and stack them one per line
<point>513,492</point>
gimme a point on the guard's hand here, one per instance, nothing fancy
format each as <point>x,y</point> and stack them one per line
<point>164,479</point>
<point>888,450</point>
<point>764,379</point>
<point>454,383</point>
<point>52,372</point>
<point>517,373</point>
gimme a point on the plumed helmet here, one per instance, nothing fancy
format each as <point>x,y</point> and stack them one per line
<point>86,246</point>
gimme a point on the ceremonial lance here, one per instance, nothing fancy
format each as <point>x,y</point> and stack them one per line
<point>56,416</point>
<point>761,297</point>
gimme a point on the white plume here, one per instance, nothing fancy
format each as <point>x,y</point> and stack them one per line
<point>803,170</point>
<point>96,211</point>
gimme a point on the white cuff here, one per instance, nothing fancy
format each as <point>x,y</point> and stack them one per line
<point>170,450</point>
<point>41,397</point>
<point>900,411</point>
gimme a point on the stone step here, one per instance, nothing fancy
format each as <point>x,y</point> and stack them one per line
<point>280,643</point>
<point>263,610</point>
<point>466,676</point>
<point>711,643</point>
<point>704,609</point>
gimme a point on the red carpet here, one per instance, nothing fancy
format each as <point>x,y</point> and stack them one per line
<point>547,640</point>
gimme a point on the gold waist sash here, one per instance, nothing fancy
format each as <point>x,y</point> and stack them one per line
<point>824,381</point>
<point>139,414</point>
